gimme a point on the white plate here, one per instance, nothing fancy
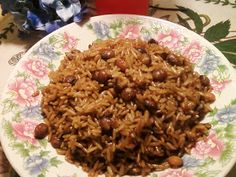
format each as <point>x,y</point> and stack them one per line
<point>20,104</point>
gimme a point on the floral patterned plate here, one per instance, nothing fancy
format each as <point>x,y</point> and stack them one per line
<point>20,102</point>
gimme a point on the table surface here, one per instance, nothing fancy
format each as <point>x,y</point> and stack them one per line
<point>219,26</point>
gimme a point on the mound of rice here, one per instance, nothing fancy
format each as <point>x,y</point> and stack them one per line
<point>125,107</point>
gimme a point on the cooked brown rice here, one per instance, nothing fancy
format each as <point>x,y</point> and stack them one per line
<point>125,107</point>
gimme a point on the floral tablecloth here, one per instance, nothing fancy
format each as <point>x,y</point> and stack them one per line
<point>213,19</point>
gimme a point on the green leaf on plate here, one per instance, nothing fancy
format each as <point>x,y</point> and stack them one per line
<point>220,132</point>
<point>58,53</point>
<point>218,31</point>
<point>201,174</point>
<point>17,117</point>
<point>226,154</point>
<point>44,153</point>
<point>207,173</point>
<point>41,175</point>
<point>8,106</point>
<point>154,175</point>
<point>233,102</point>
<point>43,142</point>
<point>8,130</point>
<point>90,26</point>
<point>133,22</point>
<point>20,147</point>
<point>117,24</point>
<point>194,16</point>
<point>228,48</point>
<point>229,128</point>
<point>52,39</point>
<point>22,74</point>
<point>207,162</point>
<point>229,132</point>
<point>55,162</point>
<point>214,122</point>
<point>51,66</point>
<point>183,22</point>
<point>39,85</point>
<point>222,68</point>
<point>213,112</point>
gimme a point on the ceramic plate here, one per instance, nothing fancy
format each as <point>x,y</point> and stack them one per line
<point>20,102</point>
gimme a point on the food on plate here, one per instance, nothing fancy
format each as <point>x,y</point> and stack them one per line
<point>125,107</point>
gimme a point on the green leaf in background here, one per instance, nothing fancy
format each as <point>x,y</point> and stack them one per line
<point>228,48</point>
<point>218,31</point>
<point>153,9</point>
<point>183,22</point>
<point>226,154</point>
<point>222,2</point>
<point>194,16</point>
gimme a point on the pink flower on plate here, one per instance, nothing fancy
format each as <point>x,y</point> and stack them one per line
<point>70,41</point>
<point>218,86</point>
<point>130,31</point>
<point>211,147</point>
<point>25,130</point>
<point>170,39</point>
<point>36,67</point>
<point>193,51</point>
<point>178,173</point>
<point>25,90</point>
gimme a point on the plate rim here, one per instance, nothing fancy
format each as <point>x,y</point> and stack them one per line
<point>100,17</point>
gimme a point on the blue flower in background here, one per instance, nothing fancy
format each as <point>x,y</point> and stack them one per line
<point>190,161</point>
<point>210,62</point>
<point>32,112</point>
<point>47,51</point>
<point>101,29</point>
<point>35,20</point>
<point>52,26</point>
<point>44,15</point>
<point>35,164</point>
<point>227,114</point>
<point>65,12</point>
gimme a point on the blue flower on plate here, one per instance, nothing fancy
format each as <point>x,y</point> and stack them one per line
<point>190,161</point>
<point>210,62</point>
<point>227,114</point>
<point>101,29</point>
<point>35,164</point>
<point>47,51</point>
<point>32,112</point>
